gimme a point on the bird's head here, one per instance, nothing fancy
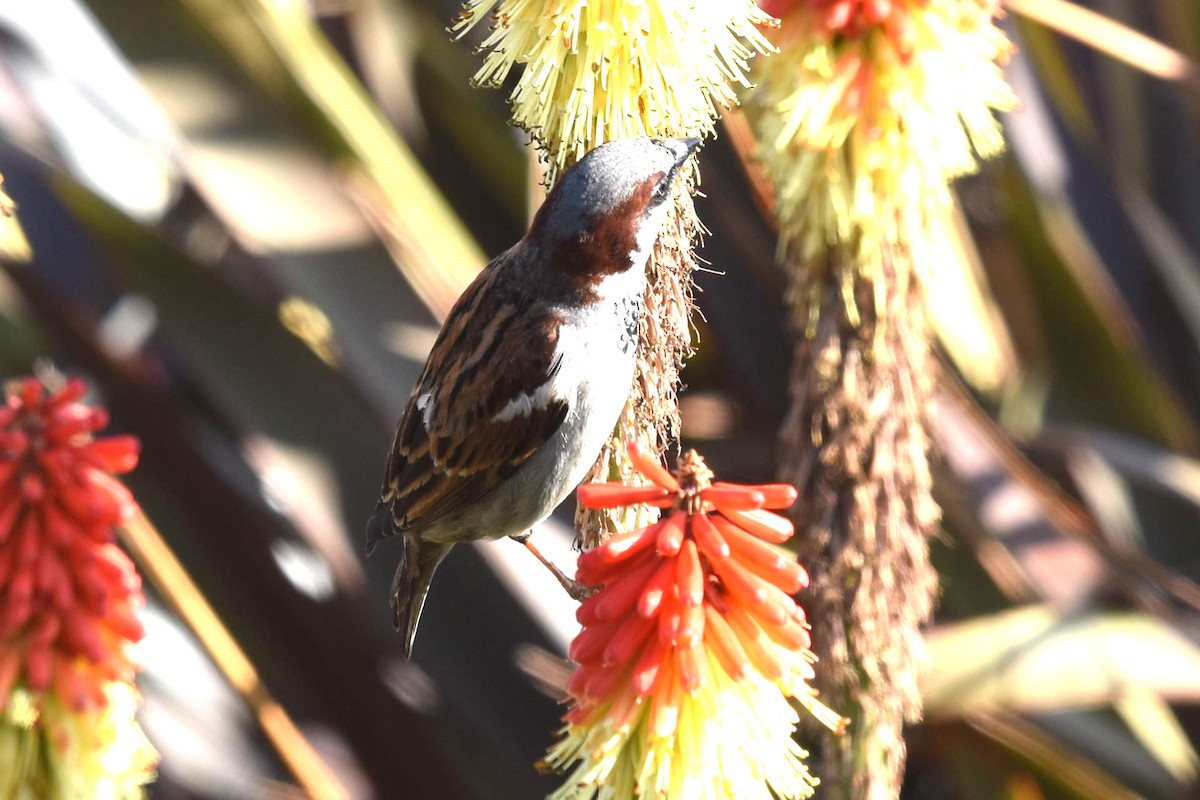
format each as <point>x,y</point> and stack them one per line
<point>603,215</point>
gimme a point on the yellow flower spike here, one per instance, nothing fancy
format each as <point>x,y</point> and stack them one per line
<point>864,119</point>
<point>596,71</point>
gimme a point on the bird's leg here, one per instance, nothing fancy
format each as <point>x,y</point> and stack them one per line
<point>577,590</point>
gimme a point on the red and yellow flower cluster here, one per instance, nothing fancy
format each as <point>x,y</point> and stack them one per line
<point>69,597</point>
<point>851,18</point>
<point>691,647</point>
<point>868,111</point>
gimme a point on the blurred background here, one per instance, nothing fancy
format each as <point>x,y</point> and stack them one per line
<point>241,220</point>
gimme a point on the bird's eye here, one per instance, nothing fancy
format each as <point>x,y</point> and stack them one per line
<point>660,193</point>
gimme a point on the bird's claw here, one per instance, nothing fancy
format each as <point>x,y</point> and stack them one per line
<point>578,591</point>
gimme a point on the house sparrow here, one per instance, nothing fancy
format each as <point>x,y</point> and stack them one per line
<point>530,371</point>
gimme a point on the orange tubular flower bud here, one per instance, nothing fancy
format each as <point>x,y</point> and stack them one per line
<point>763,524</point>
<point>725,645</point>
<point>691,627</point>
<point>625,591</point>
<point>612,495</point>
<point>668,696</point>
<point>692,666</point>
<point>656,589</point>
<point>692,636</point>
<point>690,575</point>
<point>670,534</point>
<point>590,643</point>
<point>709,539</point>
<point>647,464</point>
<point>598,563</point>
<point>670,618</point>
<point>742,498</point>
<point>627,642</point>
<point>776,496</point>
<point>762,559</point>
<point>646,670</point>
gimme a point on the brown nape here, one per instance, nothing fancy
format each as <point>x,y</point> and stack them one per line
<point>604,248</point>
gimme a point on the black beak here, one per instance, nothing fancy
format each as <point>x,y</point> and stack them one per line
<point>683,149</point>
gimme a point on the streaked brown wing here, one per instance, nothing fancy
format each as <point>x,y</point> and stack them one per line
<point>449,448</point>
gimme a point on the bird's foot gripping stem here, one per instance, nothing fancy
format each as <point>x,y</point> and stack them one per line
<point>578,591</point>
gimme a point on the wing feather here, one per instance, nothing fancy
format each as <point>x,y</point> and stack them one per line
<point>452,450</point>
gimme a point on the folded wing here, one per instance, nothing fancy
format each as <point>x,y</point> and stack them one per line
<point>485,403</point>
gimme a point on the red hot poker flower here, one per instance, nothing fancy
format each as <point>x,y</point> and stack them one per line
<point>853,19</point>
<point>691,647</point>
<point>69,596</point>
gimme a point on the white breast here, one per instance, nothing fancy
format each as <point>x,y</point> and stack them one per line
<point>598,343</point>
<point>602,339</point>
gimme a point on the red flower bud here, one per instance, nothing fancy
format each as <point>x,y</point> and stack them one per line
<point>68,597</point>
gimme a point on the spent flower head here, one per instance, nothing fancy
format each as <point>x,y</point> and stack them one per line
<point>69,599</point>
<point>692,647</point>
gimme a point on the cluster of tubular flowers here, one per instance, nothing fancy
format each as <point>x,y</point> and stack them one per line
<point>69,599</point>
<point>691,647</point>
<point>870,109</point>
<point>601,71</point>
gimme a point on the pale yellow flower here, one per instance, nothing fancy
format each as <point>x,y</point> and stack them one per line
<point>863,122</point>
<point>50,750</point>
<point>596,71</point>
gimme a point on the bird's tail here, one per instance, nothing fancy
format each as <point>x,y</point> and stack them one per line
<point>411,584</point>
<point>380,526</point>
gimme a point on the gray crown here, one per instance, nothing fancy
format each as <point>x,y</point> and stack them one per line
<point>609,176</point>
